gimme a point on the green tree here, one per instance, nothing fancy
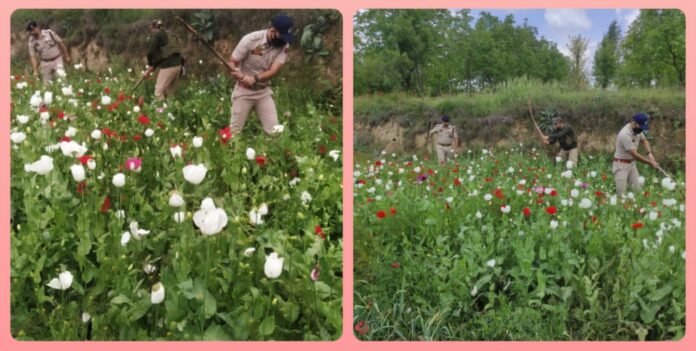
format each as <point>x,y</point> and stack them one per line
<point>606,59</point>
<point>578,48</point>
<point>654,50</point>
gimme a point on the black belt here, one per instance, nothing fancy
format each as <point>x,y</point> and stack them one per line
<point>444,144</point>
<point>52,59</point>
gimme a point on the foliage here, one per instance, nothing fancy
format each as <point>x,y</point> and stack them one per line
<point>216,287</point>
<point>606,59</point>
<point>500,245</point>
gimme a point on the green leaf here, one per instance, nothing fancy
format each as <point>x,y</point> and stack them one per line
<point>215,332</point>
<point>267,326</point>
<point>660,293</point>
<point>210,305</point>
<point>120,299</point>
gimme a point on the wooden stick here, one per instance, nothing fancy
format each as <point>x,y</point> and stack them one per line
<point>531,114</point>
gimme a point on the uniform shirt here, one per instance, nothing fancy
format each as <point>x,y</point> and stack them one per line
<point>46,46</point>
<point>625,141</point>
<point>444,135</point>
<point>256,55</point>
<point>565,137</point>
<point>156,55</point>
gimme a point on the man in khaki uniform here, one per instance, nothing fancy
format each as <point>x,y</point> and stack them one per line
<point>565,136</point>
<point>624,167</point>
<point>445,138</point>
<point>168,62</point>
<point>258,57</point>
<point>47,52</point>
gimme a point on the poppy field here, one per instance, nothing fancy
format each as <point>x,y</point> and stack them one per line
<point>510,245</point>
<point>138,219</point>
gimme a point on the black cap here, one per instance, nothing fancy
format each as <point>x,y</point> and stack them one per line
<point>283,24</point>
<point>31,25</point>
<point>445,118</point>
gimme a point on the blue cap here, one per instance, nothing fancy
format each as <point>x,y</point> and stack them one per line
<point>283,24</point>
<point>642,120</point>
<point>445,118</point>
<point>31,25</point>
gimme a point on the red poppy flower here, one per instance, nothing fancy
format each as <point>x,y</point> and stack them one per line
<point>362,328</point>
<point>225,134</point>
<point>378,163</point>
<point>362,181</point>
<point>488,179</point>
<point>137,137</point>
<point>144,120</point>
<point>107,90</point>
<point>381,214</point>
<point>121,96</point>
<point>322,150</point>
<point>84,159</point>
<point>369,199</point>
<point>320,232</point>
<point>261,160</point>
<point>637,225</point>
<point>60,115</point>
<point>396,265</point>
<point>599,193</point>
<point>430,171</point>
<point>106,205</point>
<point>552,210</point>
<point>392,211</point>
<point>333,137</point>
<point>160,124</point>
<point>457,182</point>
<point>65,139</point>
<point>553,193</point>
<point>527,212</point>
<point>81,186</point>
<point>498,193</point>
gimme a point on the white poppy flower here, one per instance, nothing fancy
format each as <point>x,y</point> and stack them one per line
<point>175,151</point>
<point>567,174</point>
<point>263,209</point>
<point>197,142</point>
<point>479,215</point>
<point>612,200</point>
<point>48,98</point>
<point>474,291</point>
<point>585,203</point>
<point>44,116</point>
<point>43,166</point>
<point>209,219</point>
<point>70,132</point>
<point>67,91</point>
<point>105,100</point>
<point>294,181</point>
<point>305,197</point>
<point>86,317</point>
<point>18,137</point>
<point>273,266</point>
<point>255,217</point>
<point>249,251</point>
<point>277,129</point>
<point>78,172</point>
<point>488,197</point>
<point>553,224</point>
<point>490,263</point>
<point>149,268</point>
<point>22,119</point>
<point>652,215</point>
<point>72,149</point>
<point>569,164</point>
<point>195,174</point>
<point>63,282</point>
<point>149,132</point>
<point>125,238</point>
<point>574,193</point>
<point>136,232</point>
<point>119,180</point>
<point>335,154</point>
<point>175,199</point>
<point>179,217</point>
<point>136,108</point>
<point>91,164</point>
<point>96,134</point>
<point>36,99</point>
<point>250,154</point>
<point>505,209</point>
<point>668,184</point>
<point>157,295</point>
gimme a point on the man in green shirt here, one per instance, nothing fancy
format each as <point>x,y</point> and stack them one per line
<point>168,62</point>
<point>565,136</point>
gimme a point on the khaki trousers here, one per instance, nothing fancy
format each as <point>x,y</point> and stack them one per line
<point>48,69</point>
<point>625,174</point>
<point>261,102</point>
<point>167,80</point>
<point>570,155</point>
<point>444,153</point>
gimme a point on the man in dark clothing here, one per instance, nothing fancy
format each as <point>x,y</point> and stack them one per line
<point>168,62</point>
<point>565,136</point>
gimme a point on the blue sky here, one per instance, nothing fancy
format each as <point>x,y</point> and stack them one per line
<point>558,24</point>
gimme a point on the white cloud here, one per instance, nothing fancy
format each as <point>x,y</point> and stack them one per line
<point>626,17</point>
<point>569,20</point>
